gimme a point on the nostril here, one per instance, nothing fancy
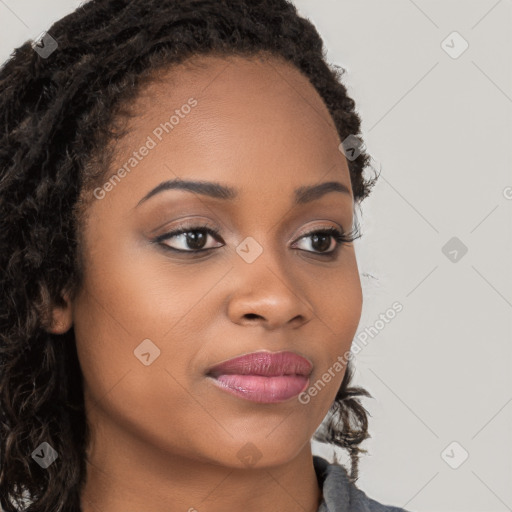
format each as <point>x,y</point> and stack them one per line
<point>252,316</point>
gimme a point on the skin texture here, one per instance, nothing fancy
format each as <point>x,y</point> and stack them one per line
<point>164,438</point>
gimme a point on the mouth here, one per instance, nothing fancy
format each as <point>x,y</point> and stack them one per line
<point>264,377</point>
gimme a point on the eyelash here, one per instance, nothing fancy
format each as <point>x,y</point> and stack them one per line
<point>340,237</point>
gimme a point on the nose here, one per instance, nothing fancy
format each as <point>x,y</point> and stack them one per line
<point>269,295</point>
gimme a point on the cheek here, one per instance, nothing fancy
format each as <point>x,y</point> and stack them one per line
<point>132,295</point>
<point>140,289</point>
<point>339,302</point>
<point>338,308</point>
<point>119,329</point>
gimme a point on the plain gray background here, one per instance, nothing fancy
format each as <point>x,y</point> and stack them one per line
<point>438,124</point>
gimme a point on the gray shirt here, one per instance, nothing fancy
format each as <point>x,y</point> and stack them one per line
<point>340,495</point>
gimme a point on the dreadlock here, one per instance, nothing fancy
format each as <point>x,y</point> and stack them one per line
<point>58,115</point>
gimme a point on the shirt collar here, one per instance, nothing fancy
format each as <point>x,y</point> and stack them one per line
<point>335,486</point>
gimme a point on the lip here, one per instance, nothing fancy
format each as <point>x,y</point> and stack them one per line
<point>264,363</point>
<point>264,377</point>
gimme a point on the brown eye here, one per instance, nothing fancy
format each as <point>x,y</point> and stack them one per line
<point>321,240</point>
<point>189,239</point>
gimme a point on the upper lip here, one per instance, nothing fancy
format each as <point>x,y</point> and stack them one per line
<point>269,364</point>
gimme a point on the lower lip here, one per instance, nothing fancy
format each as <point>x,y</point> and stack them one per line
<point>258,388</point>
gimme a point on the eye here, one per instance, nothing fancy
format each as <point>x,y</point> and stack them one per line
<point>191,239</point>
<point>326,241</point>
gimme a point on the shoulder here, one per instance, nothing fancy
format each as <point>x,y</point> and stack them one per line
<point>340,494</point>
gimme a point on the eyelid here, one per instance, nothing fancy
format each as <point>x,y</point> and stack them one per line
<point>336,233</point>
<point>321,227</point>
<point>198,225</point>
<point>186,228</point>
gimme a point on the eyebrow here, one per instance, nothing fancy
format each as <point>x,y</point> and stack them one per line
<point>303,194</point>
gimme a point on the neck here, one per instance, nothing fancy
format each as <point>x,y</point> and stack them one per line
<point>131,475</point>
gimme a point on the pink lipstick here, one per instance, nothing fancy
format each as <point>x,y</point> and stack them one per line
<point>264,377</point>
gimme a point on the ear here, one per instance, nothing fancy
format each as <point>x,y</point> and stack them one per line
<point>61,317</point>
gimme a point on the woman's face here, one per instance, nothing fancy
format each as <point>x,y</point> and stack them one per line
<point>150,321</point>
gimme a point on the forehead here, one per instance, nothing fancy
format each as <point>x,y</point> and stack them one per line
<point>255,121</point>
<point>258,96</point>
<point>235,77</point>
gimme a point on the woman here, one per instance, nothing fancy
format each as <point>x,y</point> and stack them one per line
<point>178,190</point>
